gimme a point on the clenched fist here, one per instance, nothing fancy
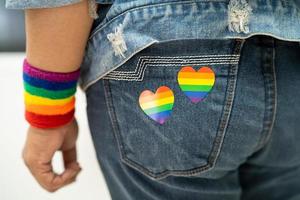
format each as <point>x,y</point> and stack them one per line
<point>40,146</point>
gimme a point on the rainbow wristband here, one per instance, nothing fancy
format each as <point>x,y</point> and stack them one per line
<point>49,96</point>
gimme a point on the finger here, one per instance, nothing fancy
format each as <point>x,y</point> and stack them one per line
<point>52,181</point>
<point>70,173</point>
<point>68,176</point>
<point>47,178</point>
<point>72,167</point>
<point>41,169</point>
<point>69,156</point>
<point>70,160</point>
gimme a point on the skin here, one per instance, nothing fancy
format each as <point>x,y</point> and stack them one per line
<point>55,41</point>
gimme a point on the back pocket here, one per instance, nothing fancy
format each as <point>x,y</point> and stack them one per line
<point>190,140</point>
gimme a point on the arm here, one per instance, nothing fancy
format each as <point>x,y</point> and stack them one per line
<point>55,41</point>
<point>56,37</point>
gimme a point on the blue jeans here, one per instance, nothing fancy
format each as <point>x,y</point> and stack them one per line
<point>240,142</point>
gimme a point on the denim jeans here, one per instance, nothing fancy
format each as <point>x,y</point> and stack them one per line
<point>240,142</point>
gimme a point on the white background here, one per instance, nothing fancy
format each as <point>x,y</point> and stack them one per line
<point>16,182</point>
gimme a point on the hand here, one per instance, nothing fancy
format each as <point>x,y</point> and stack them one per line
<point>40,146</point>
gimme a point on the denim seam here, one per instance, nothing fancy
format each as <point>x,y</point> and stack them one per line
<point>112,116</point>
<point>270,103</point>
<point>154,59</point>
<point>128,78</point>
<point>138,73</point>
<point>161,62</point>
<point>167,58</point>
<point>218,141</point>
<point>262,33</point>
<point>85,87</point>
<point>227,109</point>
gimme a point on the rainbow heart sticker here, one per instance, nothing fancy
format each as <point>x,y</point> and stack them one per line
<point>158,106</point>
<point>196,84</point>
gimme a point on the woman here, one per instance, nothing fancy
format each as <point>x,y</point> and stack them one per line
<point>185,99</point>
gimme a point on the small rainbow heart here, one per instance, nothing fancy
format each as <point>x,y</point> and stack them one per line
<point>158,106</point>
<point>196,84</point>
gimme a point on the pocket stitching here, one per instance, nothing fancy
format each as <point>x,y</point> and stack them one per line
<point>145,61</point>
<point>218,141</point>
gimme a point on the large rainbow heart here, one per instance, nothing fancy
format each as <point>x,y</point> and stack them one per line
<point>158,106</point>
<point>196,84</point>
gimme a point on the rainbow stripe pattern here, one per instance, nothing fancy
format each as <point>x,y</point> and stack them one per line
<point>196,84</point>
<point>158,106</point>
<point>49,96</point>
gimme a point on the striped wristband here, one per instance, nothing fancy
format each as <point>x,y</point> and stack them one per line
<point>49,96</point>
